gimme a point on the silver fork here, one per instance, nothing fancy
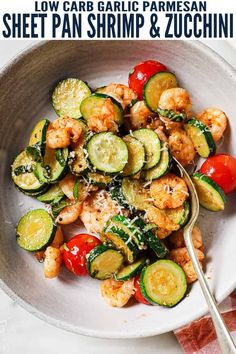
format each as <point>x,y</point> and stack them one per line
<point>225,340</point>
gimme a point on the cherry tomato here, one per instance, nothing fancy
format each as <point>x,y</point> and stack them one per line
<point>141,73</point>
<point>75,250</point>
<point>138,295</point>
<point>222,169</point>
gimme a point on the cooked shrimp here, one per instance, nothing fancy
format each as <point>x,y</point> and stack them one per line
<point>120,92</point>
<point>189,271</point>
<point>169,191</point>
<point>70,213</point>
<point>162,233</point>
<point>176,99</point>
<point>52,262</point>
<point>117,293</point>
<point>181,256</point>
<point>160,132</point>
<point>159,218</point>
<point>62,132</point>
<point>215,120</point>
<point>171,125</point>
<point>140,115</point>
<point>39,256</point>
<point>96,211</point>
<point>58,238</point>
<point>67,185</point>
<point>104,120</point>
<point>181,147</point>
<point>177,238</point>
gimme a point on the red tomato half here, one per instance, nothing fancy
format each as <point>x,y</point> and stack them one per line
<point>75,250</point>
<point>141,73</point>
<point>138,295</point>
<point>222,169</point>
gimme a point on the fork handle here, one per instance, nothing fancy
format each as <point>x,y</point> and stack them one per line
<point>225,340</point>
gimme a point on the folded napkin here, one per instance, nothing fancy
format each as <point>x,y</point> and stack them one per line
<point>200,337</point>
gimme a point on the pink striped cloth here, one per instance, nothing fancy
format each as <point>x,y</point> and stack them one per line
<point>199,337</point>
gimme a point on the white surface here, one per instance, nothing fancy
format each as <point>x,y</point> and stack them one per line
<point>20,332</point>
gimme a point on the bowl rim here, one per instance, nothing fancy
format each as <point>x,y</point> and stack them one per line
<point>101,333</point>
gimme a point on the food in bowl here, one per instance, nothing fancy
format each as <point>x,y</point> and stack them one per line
<point>107,160</point>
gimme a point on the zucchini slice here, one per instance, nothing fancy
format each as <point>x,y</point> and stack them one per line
<point>38,135</point>
<point>35,230</point>
<point>211,196</point>
<point>163,283</point>
<point>57,207</point>
<point>23,175</point>
<point>135,194</point>
<point>68,95</point>
<point>163,166</point>
<point>179,215</point>
<point>155,86</point>
<point>78,162</point>
<point>53,195</point>
<point>92,106</point>
<point>54,166</point>
<point>121,241</point>
<point>98,179</point>
<point>201,137</point>
<point>131,228</point>
<point>172,115</point>
<point>131,270</point>
<point>136,156</point>
<point>152,146</point>
<point>103,262</point>
<point>107,152</point>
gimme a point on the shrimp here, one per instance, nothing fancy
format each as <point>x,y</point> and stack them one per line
<point>177,238</point>
<point>62,131</point>
<point>58,238</point>
<point>181,256</point>
<point>169,191</point>
<point>189,271</point>
<point>104,119</point>
<point>216,120</point>
<point>176,99</point>
<point>70,213</point>
<point>181,147</point>
<point>171,125</point>
<point>97,210</point>
<point>121,93</point>
<point>52,262</point>
<point>162,233</point>
<point>117,293</point>
<point>159,218</point>
<point>140,115</point>
<point>67,186</point>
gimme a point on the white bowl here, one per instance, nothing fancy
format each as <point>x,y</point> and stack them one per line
<point>75,303</point>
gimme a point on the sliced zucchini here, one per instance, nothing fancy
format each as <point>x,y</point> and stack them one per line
<point>53,195</point>
<point>131,270</point>
<point>78,162</point>
<point>136,156</point>
<point>57,207</point>
<point>155,86</point>
<point>54,166</point>
<point>23,175</point>
<point>172,115</point>
<point>152,240</point>
<point>107,152</point>
<point>35,152</point>
<point>152,146</point>
<point>179,215</point>
<point>121,241</point>
<point>92,106</point>
<point>103,262</point>
<point>163,166</point>
<point>211,196</point>
<point>35,230</point>
<point>135,194</point>
<point>98,179</point>
<point>38,135</point>
<point>163,283</point>
<point>131,228</point>
<point>68,95</point>
<point>201,137</point>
